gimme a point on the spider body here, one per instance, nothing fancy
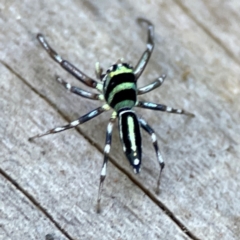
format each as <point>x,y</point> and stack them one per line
<point>120,92</point>
<point>118,89</point>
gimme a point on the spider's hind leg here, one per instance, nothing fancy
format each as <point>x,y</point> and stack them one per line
<point>105,160</point>
<point>150,131</point>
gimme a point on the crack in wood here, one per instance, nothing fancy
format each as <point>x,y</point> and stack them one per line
<point>35,203</point>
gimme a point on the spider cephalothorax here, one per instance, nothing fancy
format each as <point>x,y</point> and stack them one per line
<point>118,89</point>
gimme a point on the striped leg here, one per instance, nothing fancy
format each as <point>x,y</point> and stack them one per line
<point>163,108</point>
<point>74,123</point>
<point>157,83</point>
<point>105,160</point>
<point>147,53</point>
<point>79,91</point>
<point>67,65</point>
<point>150,131</point>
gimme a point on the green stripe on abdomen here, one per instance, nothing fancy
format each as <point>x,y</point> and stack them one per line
<point>124,104</point>
<point>119,88</point>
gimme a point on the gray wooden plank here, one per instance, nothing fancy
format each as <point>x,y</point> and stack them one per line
<point>220,19</point>
<point>62,175</point>
<point>200,181</point>
<point>19,218</point>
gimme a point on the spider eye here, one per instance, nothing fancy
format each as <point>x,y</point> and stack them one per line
<point>127,65</point>
<point>114,67</point>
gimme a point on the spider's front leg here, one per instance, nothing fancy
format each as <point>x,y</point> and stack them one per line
<point>150,131</point>
<point>142,63</point>
<point>67,65</point>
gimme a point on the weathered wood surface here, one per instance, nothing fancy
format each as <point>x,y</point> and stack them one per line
<point>50,185</point>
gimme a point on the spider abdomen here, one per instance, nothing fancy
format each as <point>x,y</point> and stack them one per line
<point>120,89</point>
<point>130,135</point>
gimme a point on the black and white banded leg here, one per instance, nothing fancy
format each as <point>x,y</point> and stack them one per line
<point>74,123</point>
<point>147,53</point>
<point>79,91</point>
<point>105,159</point>
<point>150,131</point>
<point>68,66</point>
<point>157,83</point>
<point>163,108</point>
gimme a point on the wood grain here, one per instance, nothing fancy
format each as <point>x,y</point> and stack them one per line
<point>60,173</point>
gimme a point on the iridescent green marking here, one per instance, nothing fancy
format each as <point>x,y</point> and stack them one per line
<point>119,88</point>
<point>125,103</point>
<point>121,69</point>
<point>131,134</point>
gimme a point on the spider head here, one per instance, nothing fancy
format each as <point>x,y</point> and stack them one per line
<point>116,69</point>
